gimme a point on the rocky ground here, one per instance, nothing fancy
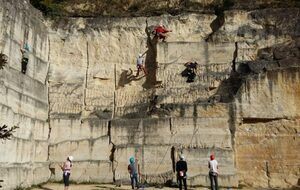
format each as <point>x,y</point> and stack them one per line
<point>58,186</point>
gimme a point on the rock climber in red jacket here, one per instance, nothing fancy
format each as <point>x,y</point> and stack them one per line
<point>161,32</point>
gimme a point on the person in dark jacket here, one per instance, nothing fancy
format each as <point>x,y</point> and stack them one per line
<point>181,169</point>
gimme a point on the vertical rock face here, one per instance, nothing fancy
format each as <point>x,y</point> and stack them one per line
<point>159,116</point>
<point>92,80</point>
<point>242,106</point>
<point>23,98</point>
<point>267,136</point>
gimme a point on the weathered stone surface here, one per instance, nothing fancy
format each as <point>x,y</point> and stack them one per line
<point>201,133</point>
<point>267,137</point>
<point>24,98</point>
<point>271,95</point>
<point>23,175</point>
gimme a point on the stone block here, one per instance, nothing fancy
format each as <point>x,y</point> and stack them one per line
<point>180,52</point>
<point>86,149</point>
<point>40,151</point>
<point>40,173</point>
<point>41,130</point>
<point>201,132</point>
<point>23,176</point>
<point>75,129</point>
<point>125,132</point>
<point>267,149</point>
<point>156,131</point>
<point>67,129</point>
<point>260,97</point>
<point>131,102</point>
<point>100,148</point>
<point>16,151</point>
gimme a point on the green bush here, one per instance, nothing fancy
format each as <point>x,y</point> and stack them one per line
<point>49,7</point>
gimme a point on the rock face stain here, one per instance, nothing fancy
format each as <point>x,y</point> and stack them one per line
<point>243,105</point>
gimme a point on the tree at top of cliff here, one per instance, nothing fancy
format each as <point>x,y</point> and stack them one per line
<point>3,60</point>
<point>49,7</point>
<point>6,133</point>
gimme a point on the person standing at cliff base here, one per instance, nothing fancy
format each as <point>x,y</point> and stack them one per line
<point>66,168</point>
<point>181,169</point>
<point>25,57</point>
<point>134,170</point>
<point>213,172</point>
<point>161,32</point>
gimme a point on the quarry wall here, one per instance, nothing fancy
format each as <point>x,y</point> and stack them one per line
<point>81,97</point>
<point>24,98</point>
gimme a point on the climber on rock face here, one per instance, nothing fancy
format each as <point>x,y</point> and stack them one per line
<point>190,71</point>
<point>161,32</point>
<point>140,64</point>
<point>25,56</point>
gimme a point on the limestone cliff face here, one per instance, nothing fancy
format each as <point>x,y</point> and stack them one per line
<point>243,105</point>
<point>158,116</point>
<point>24,98</point>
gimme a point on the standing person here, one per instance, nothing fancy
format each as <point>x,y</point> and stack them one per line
<point>66,168</point>
<point>140,64</point>
<point>161,32</point>
<point>181,169</point>
<point>213,172</point>
<point>25,56</point>
<point>134,170</point>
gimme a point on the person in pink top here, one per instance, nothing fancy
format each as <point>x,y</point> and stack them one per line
<point>66,168</point>
<point>213,172</point>
<point>161,32</point>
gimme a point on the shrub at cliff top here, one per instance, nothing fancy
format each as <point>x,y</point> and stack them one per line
<point>49,7</point>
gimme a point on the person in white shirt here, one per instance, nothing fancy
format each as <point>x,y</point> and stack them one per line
<point>140,64</point>
<point>213,172</point>
<point>66,168</point>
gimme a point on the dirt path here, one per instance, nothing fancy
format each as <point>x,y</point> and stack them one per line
<point>57,186</point>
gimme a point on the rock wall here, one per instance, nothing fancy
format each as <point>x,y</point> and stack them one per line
<point>158,116</point>
<point>24,98</point>
<point>267,135</point>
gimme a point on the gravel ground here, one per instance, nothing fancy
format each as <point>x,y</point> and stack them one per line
<point>58,186</point>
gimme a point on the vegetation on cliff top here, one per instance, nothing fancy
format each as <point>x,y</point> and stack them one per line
<point>94,8</point>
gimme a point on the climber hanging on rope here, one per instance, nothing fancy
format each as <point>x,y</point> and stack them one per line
<point>25,56</point>
<point>140,64</point>
<point>190,71</point>
<point>161,32</point>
